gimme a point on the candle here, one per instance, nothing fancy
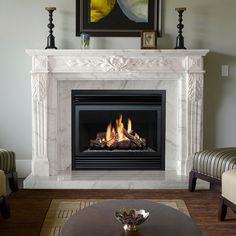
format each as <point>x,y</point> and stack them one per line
<point>50,8</point>
<point>180,9</point>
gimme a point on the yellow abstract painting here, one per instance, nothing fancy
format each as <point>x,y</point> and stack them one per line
<point>135,10</point>
<point>117,17</point>
<point>100,8</point>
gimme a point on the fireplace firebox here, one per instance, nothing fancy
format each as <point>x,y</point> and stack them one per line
<point>118,129</point>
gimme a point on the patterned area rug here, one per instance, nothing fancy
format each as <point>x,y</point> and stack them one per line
<point>61,210</point>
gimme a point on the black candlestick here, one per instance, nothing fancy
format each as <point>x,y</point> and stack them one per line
<point>180,26</point>
<point>50,38</point>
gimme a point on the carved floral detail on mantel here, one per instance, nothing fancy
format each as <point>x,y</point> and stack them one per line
<point>105,64</point>
<point>195,87</point>
<point>121,64</point>
<point>39,87</point>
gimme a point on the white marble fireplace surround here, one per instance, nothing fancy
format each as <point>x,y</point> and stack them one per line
<point>56,72</point>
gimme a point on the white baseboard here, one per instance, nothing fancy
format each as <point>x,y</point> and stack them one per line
<point>23,168</point>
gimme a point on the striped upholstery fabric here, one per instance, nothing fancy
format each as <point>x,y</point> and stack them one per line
<point>2,184</point>
<point>215,162</point>
<point>7,161</point>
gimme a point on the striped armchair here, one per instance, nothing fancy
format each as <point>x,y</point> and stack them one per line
<point>209,165</point>
<point>8,165</point>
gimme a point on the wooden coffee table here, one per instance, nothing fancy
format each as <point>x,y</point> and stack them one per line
<point>99,220</point>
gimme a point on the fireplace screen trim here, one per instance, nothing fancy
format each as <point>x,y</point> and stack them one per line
<point>122,101</point>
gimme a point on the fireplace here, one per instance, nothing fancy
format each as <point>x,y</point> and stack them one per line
<point>55,73</point>
<point>118,129</point>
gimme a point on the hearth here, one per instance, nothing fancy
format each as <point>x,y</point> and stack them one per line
<point>118,129</point>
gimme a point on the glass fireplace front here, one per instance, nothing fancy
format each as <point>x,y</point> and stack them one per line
<point>114,129</point>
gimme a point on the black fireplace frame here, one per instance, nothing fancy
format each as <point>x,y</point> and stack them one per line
<point>118,162</point>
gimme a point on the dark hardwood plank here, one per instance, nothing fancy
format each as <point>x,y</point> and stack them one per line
<point>29,207</point>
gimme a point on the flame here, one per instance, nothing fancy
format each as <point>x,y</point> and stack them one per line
<point>113,131</point>
<point>117,134</point>
<point>108,132</point>
<point>129,126</point>
<point>119,129</point>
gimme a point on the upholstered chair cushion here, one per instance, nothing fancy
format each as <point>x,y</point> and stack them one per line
<point>229,185</point>
<point>2,184</point>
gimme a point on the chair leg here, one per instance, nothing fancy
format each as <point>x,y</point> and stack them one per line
<point>192,181</point>
<point>13,182</point>
<point>4,208</point>
<point>222,209</point>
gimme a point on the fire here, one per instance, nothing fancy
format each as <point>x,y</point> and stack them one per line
<point>112,133</point>
<point>129,128</point>
<point>118,137</point>
<point>109,132</point>
<point>119,129</point>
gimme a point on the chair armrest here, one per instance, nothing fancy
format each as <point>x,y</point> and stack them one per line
<point>2,183</point>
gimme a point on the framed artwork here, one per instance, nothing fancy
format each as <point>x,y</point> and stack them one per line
<point>117,17</point>
<point>149,40</point>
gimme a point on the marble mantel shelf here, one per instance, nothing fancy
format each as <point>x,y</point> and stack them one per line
<point>109,60</point>
<point>55,73</point>
<point>132,52</point>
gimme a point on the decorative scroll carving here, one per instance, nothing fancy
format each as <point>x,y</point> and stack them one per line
<point>120,64</point>
<point>39,87</point>
<point>103,64</point>
<point>195,87</point>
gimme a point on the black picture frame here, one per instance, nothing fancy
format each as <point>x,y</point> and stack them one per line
<point>116,24</point>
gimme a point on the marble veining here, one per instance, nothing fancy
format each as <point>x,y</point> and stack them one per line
<point>56,72</point>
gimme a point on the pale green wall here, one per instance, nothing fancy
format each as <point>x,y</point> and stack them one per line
<point>209,24</point>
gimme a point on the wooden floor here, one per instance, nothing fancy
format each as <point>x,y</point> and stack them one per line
<point>29,207</point>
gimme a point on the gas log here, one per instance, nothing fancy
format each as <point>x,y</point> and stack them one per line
<point>118,138</point>
<point>139,142</point>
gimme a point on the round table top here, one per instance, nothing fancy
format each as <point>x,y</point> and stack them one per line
<point>99,220</point>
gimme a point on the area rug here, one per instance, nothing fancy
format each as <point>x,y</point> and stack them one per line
<point>61,210</point>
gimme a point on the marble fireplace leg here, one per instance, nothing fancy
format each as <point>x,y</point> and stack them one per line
<point>195,116</point>
<point>40,164</point>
